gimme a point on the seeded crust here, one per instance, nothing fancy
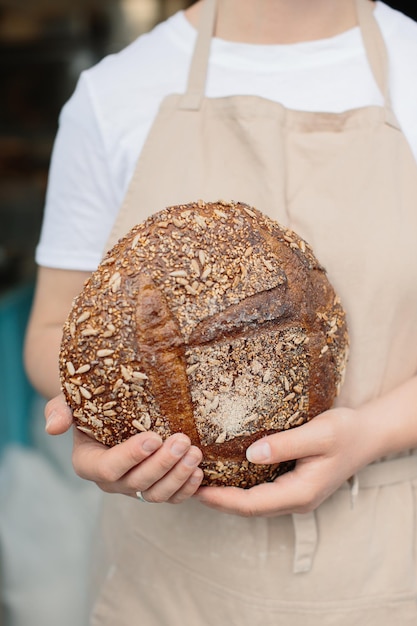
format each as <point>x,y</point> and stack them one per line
<point>209,319</point>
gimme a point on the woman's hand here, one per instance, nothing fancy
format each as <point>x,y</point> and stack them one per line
<point>162,472</point>
<point>329,450</point>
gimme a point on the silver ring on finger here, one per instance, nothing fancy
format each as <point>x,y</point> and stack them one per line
<point>140,497</point>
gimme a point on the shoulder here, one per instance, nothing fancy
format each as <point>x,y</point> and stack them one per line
<point>154,64</point>
<point>116,101</point>
<point>400,35</point>
<point>394,24</point>
<point>102,129</point>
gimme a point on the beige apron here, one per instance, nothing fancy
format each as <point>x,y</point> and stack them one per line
<point>347,183</point>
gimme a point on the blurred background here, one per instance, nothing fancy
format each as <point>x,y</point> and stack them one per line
<point>47,515</point>
<point>44,45</point>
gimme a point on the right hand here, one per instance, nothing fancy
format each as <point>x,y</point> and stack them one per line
<point>163,471</point>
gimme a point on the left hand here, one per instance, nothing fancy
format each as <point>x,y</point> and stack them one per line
<point>329,450</point>
<point>165,471</point>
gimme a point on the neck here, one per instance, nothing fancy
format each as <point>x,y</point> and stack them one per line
<point>279,21</point>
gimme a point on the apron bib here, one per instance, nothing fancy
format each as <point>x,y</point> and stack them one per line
<point>347,183</point>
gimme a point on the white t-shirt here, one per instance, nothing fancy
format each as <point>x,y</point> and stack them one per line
<point>104,125</point>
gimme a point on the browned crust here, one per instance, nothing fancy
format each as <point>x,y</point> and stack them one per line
<point>209,319</point>
<point>161,346</point>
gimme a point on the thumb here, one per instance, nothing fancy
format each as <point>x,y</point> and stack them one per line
<point>58,416</point>
<point>306,440</point>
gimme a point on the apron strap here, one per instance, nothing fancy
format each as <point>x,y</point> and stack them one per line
<point>305,540</point>
<point>194,94</point>
<point>376,52</point>
<point>374,44</point>
<point>371,35</point>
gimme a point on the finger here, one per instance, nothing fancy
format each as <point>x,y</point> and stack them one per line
<point>310,439</point>
<point>58,416</point>
<point>160,464</point>
<point>190,487</point>
<point>287,494</point>
<point>230,500</point>
<point>174,480</point>
<point>98,463</point>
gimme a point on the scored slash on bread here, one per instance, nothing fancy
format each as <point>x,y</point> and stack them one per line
<point>209,319</point>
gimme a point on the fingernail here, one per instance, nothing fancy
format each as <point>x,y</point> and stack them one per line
<point>259,452</point>
<point>150,445</point>
<point>179,447</point>
<point>191,459</point>
<point>50,420</point>
<point>196,478</point>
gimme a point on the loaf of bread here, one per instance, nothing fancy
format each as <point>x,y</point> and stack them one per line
<point>208,319</point>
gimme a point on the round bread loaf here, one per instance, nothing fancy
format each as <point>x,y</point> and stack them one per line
<point>208,319</point>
